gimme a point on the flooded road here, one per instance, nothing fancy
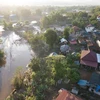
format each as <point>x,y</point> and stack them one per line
<point>17,54</point>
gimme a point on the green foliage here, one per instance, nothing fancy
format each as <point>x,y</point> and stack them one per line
<point>66,32</point>
<point>55,17</point>
<point>74,75</point>
<point>50,37</point>
<point>31,98</point>
<point>7,25</point>
<point>38,11</point>
<point>37,43</point>
<point>45,22</point>
<point>25,13</point>
<point>17,81</point>
<point>9,98</point>
<point>83,14</point>
<point>2,58</point>
<point>35,64</point>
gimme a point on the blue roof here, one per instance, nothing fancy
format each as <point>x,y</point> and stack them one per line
<point>97,32</point>
<point>97,88</point>
<point>82,82</point>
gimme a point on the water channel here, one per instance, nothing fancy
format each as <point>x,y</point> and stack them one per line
<point>17,52</point>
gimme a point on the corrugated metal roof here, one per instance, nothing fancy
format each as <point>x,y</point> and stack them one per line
<point>89,58</point>
<point>65,95</point>
<point>98,58</point>
<point>88,55</point>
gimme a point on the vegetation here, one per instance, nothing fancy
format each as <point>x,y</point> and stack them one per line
<point>7,25</point>
<point>39,81</point>
<point>2,58</point>
<point>37,43</point>
<point>50,37</point>
<point>44,72</point>
<point>54,17</point>
<point>66,32</point>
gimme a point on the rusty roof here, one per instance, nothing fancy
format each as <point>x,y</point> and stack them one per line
<point>66,95</point>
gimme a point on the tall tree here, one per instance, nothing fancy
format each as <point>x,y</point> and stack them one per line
<point>66,32</point>
<point>50,37</point>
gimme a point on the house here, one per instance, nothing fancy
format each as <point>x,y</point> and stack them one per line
<point>82,41</point>
<point>63,40</point>
<point>13,17</point>
<point>73,41</point>
<point>98,17</point>
<point>73,38</point>
<point>64,48</point>
<point>76,29</point>
<point>88,58</point>
<point>89,28</point>
<point>95,79</point>
<point>66,95</point>
<point>95,46</point>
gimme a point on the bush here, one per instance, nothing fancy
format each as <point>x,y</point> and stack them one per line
<point>17,81</point>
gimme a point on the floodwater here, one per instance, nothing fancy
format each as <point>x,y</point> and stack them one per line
<point>18,53</point>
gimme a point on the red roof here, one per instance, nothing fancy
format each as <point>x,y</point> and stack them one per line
<point>88,58</point>
<point>65,95</point>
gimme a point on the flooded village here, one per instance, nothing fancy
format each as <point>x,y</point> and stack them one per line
<point>50,53</point>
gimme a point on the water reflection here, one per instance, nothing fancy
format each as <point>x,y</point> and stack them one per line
<point>17,54</point>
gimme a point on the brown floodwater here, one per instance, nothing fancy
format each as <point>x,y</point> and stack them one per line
<point>18,53</point>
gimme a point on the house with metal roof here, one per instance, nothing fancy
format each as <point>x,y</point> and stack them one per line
<point>66,95</point>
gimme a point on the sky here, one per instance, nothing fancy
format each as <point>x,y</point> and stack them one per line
<point>50,2</point>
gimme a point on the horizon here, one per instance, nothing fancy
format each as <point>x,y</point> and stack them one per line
<point>50,2</point>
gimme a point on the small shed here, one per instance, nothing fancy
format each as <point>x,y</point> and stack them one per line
<point>88,58</point>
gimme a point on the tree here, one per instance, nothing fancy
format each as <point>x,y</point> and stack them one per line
<point>38,45</point>
<point>82,14</point>
<point>66,32</point>
<point>25,13</point>
<point>38,11</point>
<point>74,75</point>
<point>50,37</point>
<point>45,22</point>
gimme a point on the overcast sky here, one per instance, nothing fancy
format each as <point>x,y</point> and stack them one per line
<point>50,2</point>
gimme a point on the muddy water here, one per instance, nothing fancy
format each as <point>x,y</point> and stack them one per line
<point>17,54</point>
